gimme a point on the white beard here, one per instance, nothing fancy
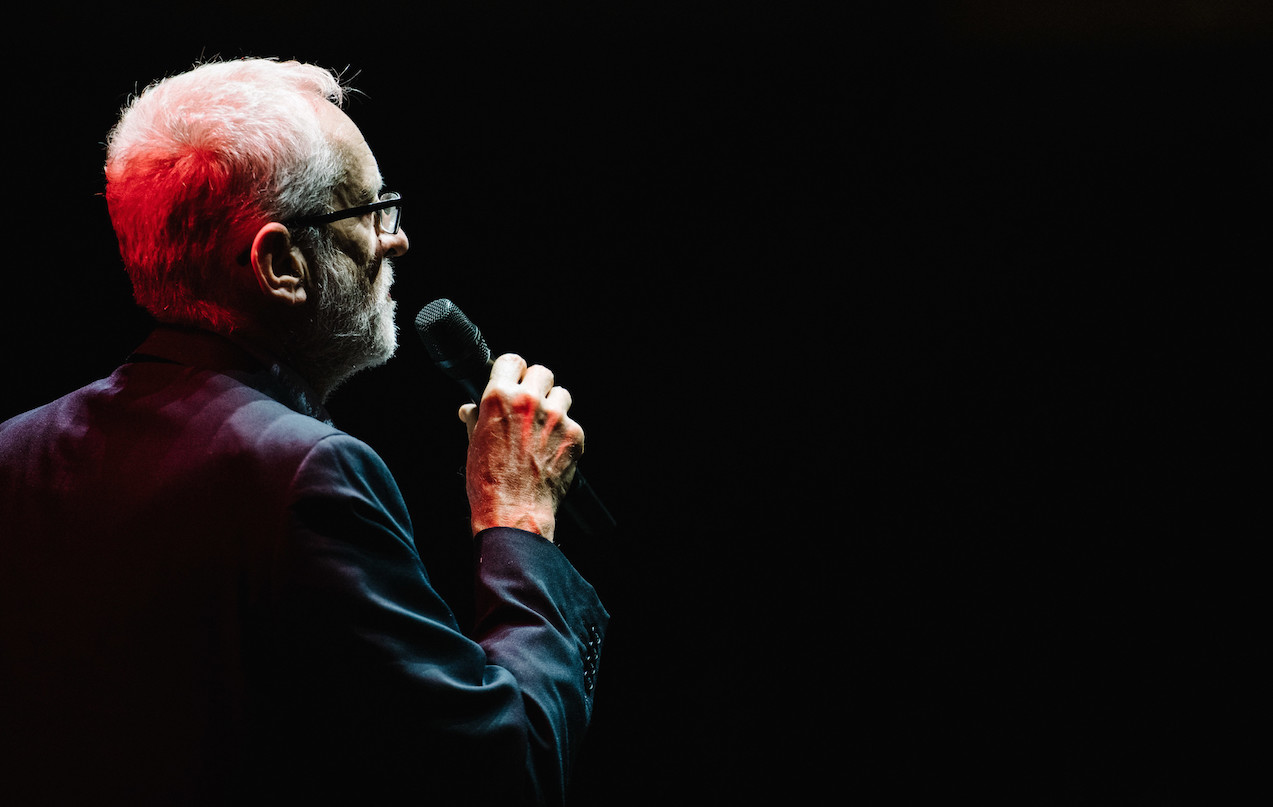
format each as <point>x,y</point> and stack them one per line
<point>354,325</point>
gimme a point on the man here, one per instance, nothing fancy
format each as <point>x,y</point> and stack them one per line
<point>209,594</point>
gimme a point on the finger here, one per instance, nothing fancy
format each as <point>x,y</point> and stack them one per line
<point>538,380</point>
<point>577,439</point>
<point>468,414</point>
<point>508,368</point>
<point>560,397</point>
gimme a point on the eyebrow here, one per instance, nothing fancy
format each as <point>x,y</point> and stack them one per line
<point>370,195</point>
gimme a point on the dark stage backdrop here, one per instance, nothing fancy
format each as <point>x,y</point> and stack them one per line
<point>903,342</point>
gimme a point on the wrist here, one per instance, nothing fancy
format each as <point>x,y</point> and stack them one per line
<point>540,521</point>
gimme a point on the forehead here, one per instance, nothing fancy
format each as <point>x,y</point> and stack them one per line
<point>364,173</point>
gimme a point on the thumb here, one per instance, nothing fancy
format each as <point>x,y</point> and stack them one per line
<point>468,414</point>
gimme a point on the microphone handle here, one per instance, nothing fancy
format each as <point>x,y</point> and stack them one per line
<point>581,503</point>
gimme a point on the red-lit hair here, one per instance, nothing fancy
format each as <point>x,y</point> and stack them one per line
<point>199,162</point>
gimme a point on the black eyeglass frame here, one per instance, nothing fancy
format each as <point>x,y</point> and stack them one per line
<point>386,201</point>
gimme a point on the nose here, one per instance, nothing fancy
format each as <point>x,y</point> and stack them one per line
<point>395,244</point>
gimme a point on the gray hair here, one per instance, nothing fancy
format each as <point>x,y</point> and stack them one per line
<point>198,162</point>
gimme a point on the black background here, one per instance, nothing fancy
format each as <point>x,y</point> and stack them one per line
<point>904,341</point>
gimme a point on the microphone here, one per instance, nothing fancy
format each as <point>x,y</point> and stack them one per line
<point>455,345</point>
<point>459,351</point>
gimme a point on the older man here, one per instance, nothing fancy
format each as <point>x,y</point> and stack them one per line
<point>209,593</point>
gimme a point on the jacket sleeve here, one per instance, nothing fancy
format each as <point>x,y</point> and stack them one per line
<point>377,693</point>
<point>542,622</point>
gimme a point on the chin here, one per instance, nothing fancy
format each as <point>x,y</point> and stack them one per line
<point>355,329</point>
<point>385,338</point>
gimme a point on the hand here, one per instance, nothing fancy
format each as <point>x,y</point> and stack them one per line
<point>522,448</point>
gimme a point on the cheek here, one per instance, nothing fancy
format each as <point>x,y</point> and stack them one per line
<point>359,243</point>
<point>363,253</point>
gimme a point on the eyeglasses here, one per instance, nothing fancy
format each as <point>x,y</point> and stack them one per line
<point>389,207</point>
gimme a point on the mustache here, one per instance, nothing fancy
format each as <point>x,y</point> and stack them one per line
<point>384,264</point>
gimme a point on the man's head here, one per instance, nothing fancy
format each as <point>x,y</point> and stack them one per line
<point>208,174</point>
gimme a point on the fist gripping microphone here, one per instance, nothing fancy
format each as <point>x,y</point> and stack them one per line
<point>459,351</point>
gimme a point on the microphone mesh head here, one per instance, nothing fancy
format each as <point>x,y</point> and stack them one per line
<point>454,343</point>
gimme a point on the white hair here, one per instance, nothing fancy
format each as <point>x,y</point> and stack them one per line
<point>198,162</point>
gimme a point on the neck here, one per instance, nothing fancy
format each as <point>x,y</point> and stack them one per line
<point>325,361</point>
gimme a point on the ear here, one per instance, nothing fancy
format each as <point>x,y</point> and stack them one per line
<point>280,267</point>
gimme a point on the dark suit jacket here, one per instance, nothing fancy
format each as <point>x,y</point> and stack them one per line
<point>208,594</point>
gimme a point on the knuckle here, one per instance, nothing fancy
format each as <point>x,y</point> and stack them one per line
<point>541,370</point>
<point>522,401</point>
<point>559,400</point>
